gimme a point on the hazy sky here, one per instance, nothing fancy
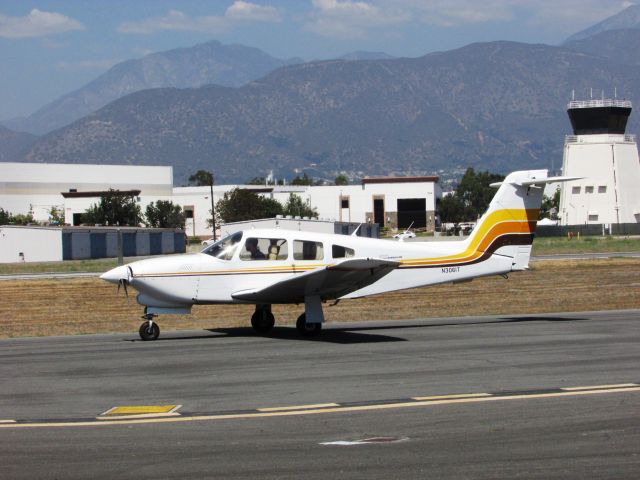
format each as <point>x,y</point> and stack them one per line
<point>49,48</point>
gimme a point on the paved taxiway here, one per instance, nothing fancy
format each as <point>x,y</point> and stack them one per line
<point>519,414</point>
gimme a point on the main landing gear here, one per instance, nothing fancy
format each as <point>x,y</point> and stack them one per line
<point>263,321</point>
<point>149,330</point>
<point>307,329</point>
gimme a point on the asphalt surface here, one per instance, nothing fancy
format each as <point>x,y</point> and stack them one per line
<point>537,396</point>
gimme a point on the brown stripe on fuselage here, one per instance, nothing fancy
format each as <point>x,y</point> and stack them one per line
<point>503,241</point>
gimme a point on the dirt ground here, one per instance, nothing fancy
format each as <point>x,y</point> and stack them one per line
<point>81,306</point>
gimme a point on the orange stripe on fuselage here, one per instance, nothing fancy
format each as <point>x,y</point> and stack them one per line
<point>496,224</point>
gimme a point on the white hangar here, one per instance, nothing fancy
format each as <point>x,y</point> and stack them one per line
<point>393,202</point>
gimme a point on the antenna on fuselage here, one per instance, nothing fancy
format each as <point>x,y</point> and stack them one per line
<point>355,232</point>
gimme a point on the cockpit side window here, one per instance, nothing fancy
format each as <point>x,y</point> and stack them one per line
<point>338,251</point>
<point>258,248</point>
<point>225,248</point>
<point>307,250</point>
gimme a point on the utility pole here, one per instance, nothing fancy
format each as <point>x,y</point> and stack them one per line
<point>202,178</point>
<point>213,213</point>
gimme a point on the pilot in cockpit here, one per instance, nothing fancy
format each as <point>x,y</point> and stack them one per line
<point>251,246</point>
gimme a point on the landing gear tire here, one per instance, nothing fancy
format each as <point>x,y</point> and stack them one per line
<point>149,331</point>
<point>307,329</point>
<point>262,320</point>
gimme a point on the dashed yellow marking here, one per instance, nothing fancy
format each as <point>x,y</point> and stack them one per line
<point>597,387</point>
<point>298,407</point>
<point>447,397</point>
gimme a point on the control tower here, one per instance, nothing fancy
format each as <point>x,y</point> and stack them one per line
<point>607,158</point>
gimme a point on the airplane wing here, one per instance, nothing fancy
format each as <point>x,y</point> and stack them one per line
<point>332,281</point>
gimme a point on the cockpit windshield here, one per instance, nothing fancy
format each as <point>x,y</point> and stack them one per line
<point>224,248</point>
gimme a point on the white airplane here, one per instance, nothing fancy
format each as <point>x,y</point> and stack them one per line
<point>406,234</point>
<point>275,266</point>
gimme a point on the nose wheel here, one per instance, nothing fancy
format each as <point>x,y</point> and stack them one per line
<point>149,330</point>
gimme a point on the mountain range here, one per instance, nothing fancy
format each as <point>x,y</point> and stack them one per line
<point>206,63</point>
<point>496,105</point>
<point>628,18</point>
<point>13,145</point>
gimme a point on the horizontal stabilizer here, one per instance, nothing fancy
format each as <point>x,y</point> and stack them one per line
<point>330,282</point>
<point>538,181</point>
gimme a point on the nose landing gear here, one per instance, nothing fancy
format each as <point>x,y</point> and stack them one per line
<point>149,330</point>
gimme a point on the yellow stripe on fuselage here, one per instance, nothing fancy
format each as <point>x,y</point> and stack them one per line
<point>500,222</point>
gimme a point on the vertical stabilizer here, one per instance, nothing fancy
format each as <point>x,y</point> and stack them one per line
<point>508,226</point>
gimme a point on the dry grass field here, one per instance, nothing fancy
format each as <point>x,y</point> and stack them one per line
<point>81,306</point>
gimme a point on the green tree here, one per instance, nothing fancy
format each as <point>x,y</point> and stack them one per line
<point>256,181</point>
<point>341,180</point>
<point>56,215</point>
<point>5,217</point>
<point>241,204</point>
<point>115,208</point>
<point>304,180</point>
<point>201,178</point>
<point>22,219</point>
<point>550,206</point>
<point>476,193</point>
<point>296,207</point>
<point>164,214</point>
<point>451,209</point>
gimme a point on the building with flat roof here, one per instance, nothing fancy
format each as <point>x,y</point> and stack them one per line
<point>37,187</point>
<point>393,202</point>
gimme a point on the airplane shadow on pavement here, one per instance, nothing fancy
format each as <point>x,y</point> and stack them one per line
<point>461,322</point>
<point>330,335</point>
<point>355,334</point>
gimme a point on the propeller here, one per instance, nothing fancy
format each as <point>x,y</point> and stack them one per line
<point>124,283</point>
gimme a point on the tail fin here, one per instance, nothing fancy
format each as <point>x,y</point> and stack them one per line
<point>508,226</point>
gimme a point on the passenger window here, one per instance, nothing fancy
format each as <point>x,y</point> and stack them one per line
<point>264,249</point>
<point>307,250</point>
<point>338,251</point>
<point>225,248</point>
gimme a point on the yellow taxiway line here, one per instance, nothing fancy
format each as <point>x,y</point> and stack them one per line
<point>323,409</point>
